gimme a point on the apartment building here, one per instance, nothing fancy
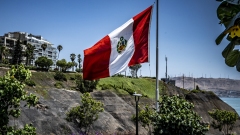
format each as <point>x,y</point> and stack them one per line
<point>10,39</point>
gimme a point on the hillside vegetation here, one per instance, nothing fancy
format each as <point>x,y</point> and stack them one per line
<point>119,85</point>
<point>116,95</point>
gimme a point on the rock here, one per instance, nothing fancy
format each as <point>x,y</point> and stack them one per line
<point>48,116</point>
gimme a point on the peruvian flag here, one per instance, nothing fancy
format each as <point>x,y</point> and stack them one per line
<point>125,46</point>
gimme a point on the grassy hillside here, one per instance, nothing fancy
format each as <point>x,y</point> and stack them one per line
<point>121,85</point>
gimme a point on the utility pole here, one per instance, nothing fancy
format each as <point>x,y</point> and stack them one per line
<point>183,81</point>
<point>194,83</point>
<point>166,67</point>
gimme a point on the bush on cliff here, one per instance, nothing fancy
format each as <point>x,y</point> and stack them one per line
<point>11,94</point>
<point>60,76</point>
<point>85,85</point>
<point>175,117</point>
<point>223,120</point>
<point>85,114</point>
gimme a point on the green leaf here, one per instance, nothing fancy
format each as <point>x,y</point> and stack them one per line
<point>232,58</point>
<point>238,65</point>
<point>228,49</point>
<point>220,38</point>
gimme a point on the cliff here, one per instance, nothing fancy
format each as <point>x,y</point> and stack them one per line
<point>49,115</point>
<point>222,87</point>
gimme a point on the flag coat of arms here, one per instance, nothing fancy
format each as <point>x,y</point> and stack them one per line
<point>125,46</point>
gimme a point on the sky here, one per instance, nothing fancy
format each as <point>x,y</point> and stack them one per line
<point>187,30</point>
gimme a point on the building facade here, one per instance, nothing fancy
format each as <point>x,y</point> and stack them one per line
<point>10,39</point>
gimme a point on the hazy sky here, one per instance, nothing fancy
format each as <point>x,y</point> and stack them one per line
<point>187,30</point>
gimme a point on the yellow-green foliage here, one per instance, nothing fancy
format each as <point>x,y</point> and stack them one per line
<point>145,86</point>
<point>45,80</point>
<point>85,114</point>
<point>223,120</point>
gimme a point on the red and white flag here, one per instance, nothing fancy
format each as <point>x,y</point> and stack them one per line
<point>125,46</point>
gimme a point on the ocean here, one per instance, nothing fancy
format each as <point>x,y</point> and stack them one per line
<point>233,102</point>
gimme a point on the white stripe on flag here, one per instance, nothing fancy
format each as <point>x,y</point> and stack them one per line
<point>119,61</point>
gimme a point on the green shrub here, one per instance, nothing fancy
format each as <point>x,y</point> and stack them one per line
<point>105,86</point>
<point>85,114</point>
<point>211,93</point>
<point>176,117</point>
<point>223,120</point>
<point>145,95</point>
<point>58,85</point>
<point>185,91</point>
<point>5,61</point>
<point>195,91</point>
<point>5,65</point>
<point>198,91</point>
<point>118,75</point>
<point>30,83</point>
<point>31,67</point>
<point>197,87</point>
<point>73,88</point>
<point>85,85</point>
<point>78,70</point>
<point>129,90</point>
<point>72,78</point>
<point>60,76</point>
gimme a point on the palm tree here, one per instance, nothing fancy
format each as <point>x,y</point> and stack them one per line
<point>44,46</point>
<point>29,52</point>
<point>79,61</point>
<point>75,64</point>
<point>59,47</point>
<point>72,57</point>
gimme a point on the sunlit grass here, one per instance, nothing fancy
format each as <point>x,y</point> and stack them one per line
<point>144,86</point>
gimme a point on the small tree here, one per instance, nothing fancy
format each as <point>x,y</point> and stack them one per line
<point>64,65</point>
<point>176,117</point>
<point>61,63</point>
<point>134,69</point>
<point>85,85</point>
<point>197,87</point>
<point>79,61</point>
<point>145,117</point>
<point>44,62</point>
<point>223,120</point>
<point>60,76</point>
<point>11,93</point>
<point>85,114</point>
<point>73,57</point>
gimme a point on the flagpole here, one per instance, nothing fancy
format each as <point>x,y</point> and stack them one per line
<point>157,82</point>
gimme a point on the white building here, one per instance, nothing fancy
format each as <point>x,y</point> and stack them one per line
<point>9,39</point>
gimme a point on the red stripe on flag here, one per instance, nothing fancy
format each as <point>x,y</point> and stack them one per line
<point>96,60</point>
<point>141,27</point>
